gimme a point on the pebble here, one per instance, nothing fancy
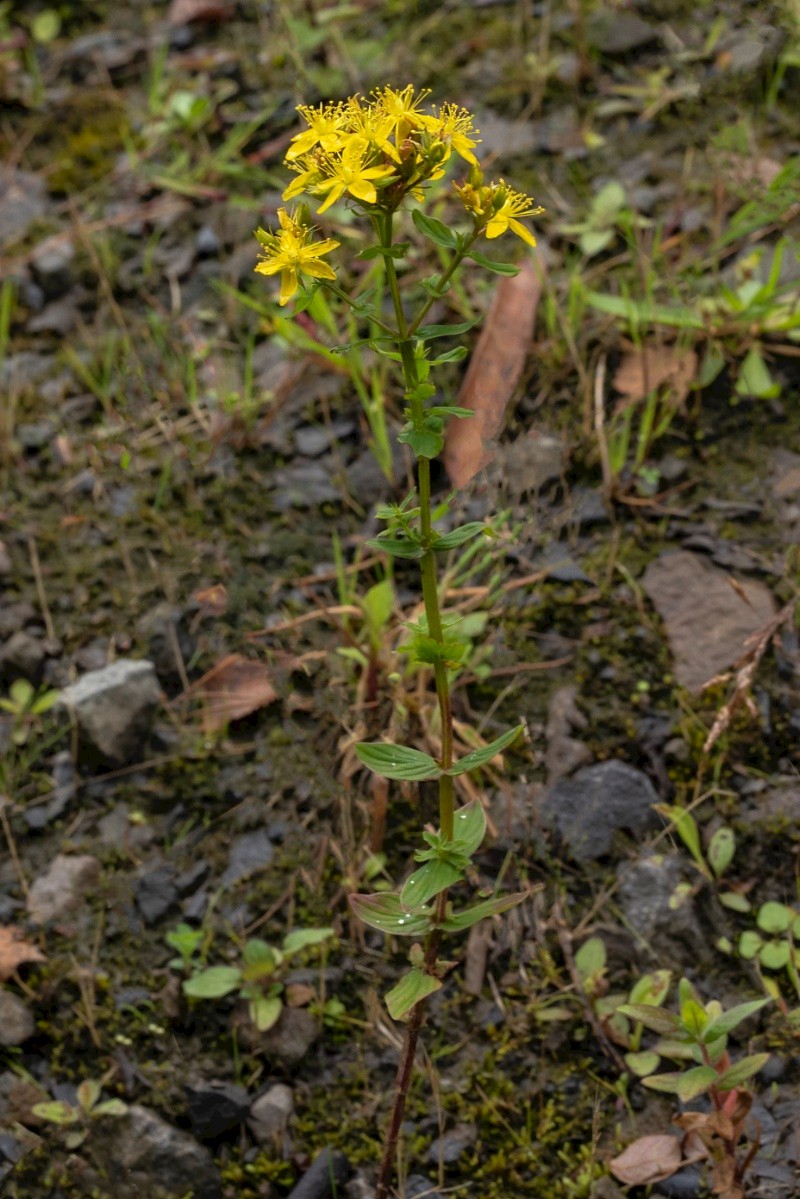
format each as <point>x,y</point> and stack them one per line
<point>113,708</point>
<point>248,853</point>
<point>270,1113</point>
<point>145,1156</point>
<point>215,1107</point>
<point>16,1021</point>
<point>589,809</point>
<point>324,1176</point>
<point>62,887</point>
<point>156,894</point>
<point>22,656</point>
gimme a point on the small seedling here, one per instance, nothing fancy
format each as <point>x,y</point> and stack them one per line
<point>77,1118</point>
<point>259,980</point>
<point>25,705</point>
<point>187,942</point>
<point>697,1038</point>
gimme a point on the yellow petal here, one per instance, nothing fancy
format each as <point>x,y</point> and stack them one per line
<point>496,226</point>
<point>320,270</point>
<point>362,189</point>
<point>268,267</point>
<point>522,232</point>
<point>288,285</point>
<point>336,189</point>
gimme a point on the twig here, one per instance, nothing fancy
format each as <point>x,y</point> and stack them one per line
<point>565,942</point>
<point>36,567</point>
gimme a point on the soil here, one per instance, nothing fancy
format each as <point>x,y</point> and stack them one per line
<point>185,479</point>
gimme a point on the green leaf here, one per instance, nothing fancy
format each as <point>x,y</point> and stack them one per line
<point>303,938</point>
<point>436,231</point>
<point>642,1063</point>
<point>721,849</point>
<point>741,1071</point>
<point>652,989</point>
<point>110,1107</point>
<point>450,410</point>
<point>398,547</point>
<point>663,1082</point>
<point>593,241</point>
<point>425,443</point>
<point>591,957</point>
<point>398,250</point>
<point>413,987</point>
<point>774,955</point>
<point>430,332</point>
<point>774,918</point>
<point>499,268</point>
<point>427,649</point>
<point>265,1011</point>
<point>695,1082</point>
<point>377,605</point>
<point>480,757</point>
<point>729,1020</point>
<point>397,761</point>
<point>749,944</point>
<point>469,827</point>
<point>644,312</point>
<point>213,983</point>
<point>666,1024</point>
<point>259,960</point>
<point>384,912</point>
<point>458,922</point>
<point>431,879</point>
<point>456,537</point>
<point>755,379</point>
<point>56,1111</point>
<point>88,1093</point>
<point>694,1018</point>
<point>457,354</point>
<point>735,901</point>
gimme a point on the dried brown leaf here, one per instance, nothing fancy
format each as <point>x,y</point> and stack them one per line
<point>183,12</point>
<point>493,373</point>
<point>15,951</point>
<point>232,689</point>
<point>649,1159</point>
<point>212,601</point>
<point>649,367</point>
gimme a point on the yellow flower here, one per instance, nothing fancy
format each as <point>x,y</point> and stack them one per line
<point>348,173</point>
<point>504,217</point>
<point>400,109</point>
<point>309,173</point>
<point>453,128</point>
<point>292,253</point>
<point>326,125</point>
<point>496,207</point>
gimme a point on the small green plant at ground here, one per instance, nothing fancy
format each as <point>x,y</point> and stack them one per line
<point>772,945</point>
<point>718,855</point>
<point>380,156</point>
<point>191,946</point>
<point>76,1118</point>
<point>260,979</point>
<point>26,705</point>
<point>650,989</point>
<point>696,1037</point>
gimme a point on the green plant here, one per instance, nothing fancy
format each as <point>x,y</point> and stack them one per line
<point>718,854</point>
<point>259,979</point>
<point>76,1118</point>
<point>773,946</point>
<point>380,155</point>
<point>696,1037</point>
<point>187,942</point>
<point>26,705</point>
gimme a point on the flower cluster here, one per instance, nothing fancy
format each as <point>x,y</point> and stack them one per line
<point>377,152</point>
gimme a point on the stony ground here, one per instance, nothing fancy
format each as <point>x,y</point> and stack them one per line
<point>187,484</point>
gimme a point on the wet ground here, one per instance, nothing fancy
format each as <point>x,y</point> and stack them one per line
<point>189,480</point>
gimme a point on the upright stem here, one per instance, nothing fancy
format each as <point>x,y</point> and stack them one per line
<point>430,596</point>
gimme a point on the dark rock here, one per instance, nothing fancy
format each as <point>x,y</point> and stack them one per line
<point>325,1174</point>
<point>685,1184</point>
<point>589,809</point>
<point>189,880</point>
<point>147,1156</point>
<point>16,1021</point>
<point>169,643</point>
<point>59,318</point>
<point>304,484</point>
<point>215,1107</point>
<point>207,243</point>
<point>61,887</point>
<point>22,656</point>
<point>270,1114</point>
<point>250,852</point>
<point>453,1144</point>
<point>15,616</point>
<point>418,1184</point>
<point>156,894</point>
<point>52,268</point>
<point>22,201</point>
<point>663,917</point>
<point>34,436</point>
<point>615,31</point>
<point>113,708</point>
<point>707,621</point>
